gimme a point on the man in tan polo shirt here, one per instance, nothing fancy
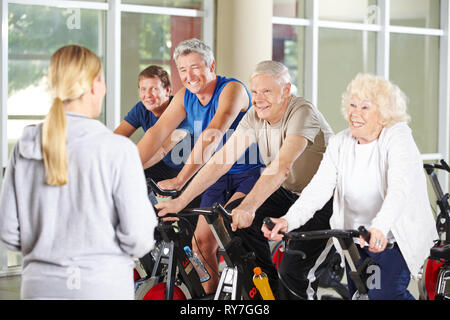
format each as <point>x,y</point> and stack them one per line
<point>291,135</point>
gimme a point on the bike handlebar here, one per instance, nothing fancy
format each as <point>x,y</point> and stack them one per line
<point>321,234</point>
<point>216,208</point>
<point>163,192</point>
<point>443,166</point>
<point>318,234</point>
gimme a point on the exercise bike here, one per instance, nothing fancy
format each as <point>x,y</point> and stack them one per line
<point>358,272</point>
<point>166,273</point>
<point>236,278</point>
<point>435,281</point>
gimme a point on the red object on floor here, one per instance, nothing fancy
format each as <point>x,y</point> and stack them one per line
<point>431,274</point>
<point>158,292</point>
<point>277,255</point>
<point>136,275</point>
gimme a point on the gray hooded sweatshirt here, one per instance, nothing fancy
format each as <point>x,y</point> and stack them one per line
<point>77,240</point>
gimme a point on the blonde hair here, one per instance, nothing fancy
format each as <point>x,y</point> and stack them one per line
<point>389,99</point>
<point>71,73</point>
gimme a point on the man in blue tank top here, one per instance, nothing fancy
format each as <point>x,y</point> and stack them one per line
<point>213,106</point>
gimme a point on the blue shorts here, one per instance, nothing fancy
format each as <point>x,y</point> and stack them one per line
<point>229,184</point>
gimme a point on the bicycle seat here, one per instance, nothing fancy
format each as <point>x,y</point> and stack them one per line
<point>442,253</point>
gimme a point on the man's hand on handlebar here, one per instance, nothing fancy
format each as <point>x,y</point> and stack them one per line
<point>170,184</point>
<point>170,206</point>
<point>242,218</point>
<point>280,225</point>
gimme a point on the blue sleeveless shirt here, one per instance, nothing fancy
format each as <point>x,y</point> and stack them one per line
<point>199,117</point>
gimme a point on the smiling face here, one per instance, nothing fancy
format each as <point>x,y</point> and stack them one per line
<point>152,94</point>
<point>195,75</point>
<point>269,98</point>
<point>364,120</point>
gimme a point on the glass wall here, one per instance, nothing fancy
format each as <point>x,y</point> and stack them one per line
<point>415,13</point>
<point>187,4</point>
<point>342,39</point>
<point>34,33</point>
<point>360,11</point>
<point>417,74</point>
<point>287,47</point>
<point>149,39</point>
<point>342,55</point>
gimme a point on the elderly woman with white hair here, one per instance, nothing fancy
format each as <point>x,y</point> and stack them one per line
<point>374,171</point>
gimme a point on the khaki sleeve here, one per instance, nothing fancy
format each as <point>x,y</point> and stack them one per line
<point>247,126</point>
<point>303,122</point>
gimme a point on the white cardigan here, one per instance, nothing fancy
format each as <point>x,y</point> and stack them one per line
<point>406,208</point>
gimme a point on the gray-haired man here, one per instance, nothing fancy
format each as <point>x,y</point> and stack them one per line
<point>291,135</point>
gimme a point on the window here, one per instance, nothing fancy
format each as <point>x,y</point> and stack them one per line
<point>417,74</point>
<point>342,55</point>
<point>325,43</point>
<point>415,13</point>
<point>360,11</point>
<point>150,39</point>
<point>34,33</point>
<point>188,4</point>
<point>287,47</point>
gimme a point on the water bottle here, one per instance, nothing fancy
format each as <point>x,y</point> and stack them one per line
<point>198,264</point>
<point>261,282</point>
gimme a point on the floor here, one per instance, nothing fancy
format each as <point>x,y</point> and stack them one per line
<point>10,289</point>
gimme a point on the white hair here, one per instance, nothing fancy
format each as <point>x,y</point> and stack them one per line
<point>390,100</point>
<point>274,69</point>
<point>194,45</point>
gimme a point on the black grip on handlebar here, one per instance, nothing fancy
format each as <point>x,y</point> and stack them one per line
<point>364,233</point>
<point>163,192</point>
<point>445,165</point>
<point>269,223</point>
<point>222,212</point>
<point>429,168</point>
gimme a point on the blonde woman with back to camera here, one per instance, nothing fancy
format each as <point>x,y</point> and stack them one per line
<point>74,198</point>
<point>375,173</point>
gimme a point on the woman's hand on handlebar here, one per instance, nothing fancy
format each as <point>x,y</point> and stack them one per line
<point>170,184</point>
<point>170,206</point>
<point>280,225</point>
<point>377,243</point>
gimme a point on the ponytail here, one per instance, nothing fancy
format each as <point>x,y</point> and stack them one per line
<point>71,72</point>
<point>54,145</point>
